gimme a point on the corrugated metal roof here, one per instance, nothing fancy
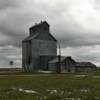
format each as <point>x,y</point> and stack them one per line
<point>55,60</point>
<point>31,37</point>
<point>37,34</point>
<point>85,64</point>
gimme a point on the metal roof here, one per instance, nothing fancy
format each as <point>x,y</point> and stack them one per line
<point>31,37</point>
<point>55,60</point>
<point>38,24</point>
<point>85,64</point>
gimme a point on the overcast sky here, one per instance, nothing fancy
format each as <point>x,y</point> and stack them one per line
<point>75,23</point>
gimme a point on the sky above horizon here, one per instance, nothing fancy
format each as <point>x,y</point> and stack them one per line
<point>75,23</point>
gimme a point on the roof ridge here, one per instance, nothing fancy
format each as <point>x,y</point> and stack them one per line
<point>38,24</point>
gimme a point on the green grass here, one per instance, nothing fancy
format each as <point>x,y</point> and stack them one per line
<point>67,86</point>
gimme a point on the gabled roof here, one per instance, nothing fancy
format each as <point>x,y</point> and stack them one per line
<point>39,34</point>
<point>52,37</point>
<point>39,24</point>
<point>30,37</point>
<point>55,60</point>
<point>35,36</point>
<point>85,64</point>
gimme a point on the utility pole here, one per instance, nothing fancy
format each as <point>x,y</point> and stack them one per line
<point>59,60</point>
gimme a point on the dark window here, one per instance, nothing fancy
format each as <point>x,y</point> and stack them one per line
<point>29,59</point>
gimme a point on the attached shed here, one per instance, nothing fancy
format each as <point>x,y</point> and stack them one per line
<point>67,64</point>
<point>85,66</point>
<point>70,65</point>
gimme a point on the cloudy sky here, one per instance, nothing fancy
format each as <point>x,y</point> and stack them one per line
<point>75,23</point>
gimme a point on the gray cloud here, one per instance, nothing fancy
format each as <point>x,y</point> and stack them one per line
<point>71,23</point>
<point>7,4</point>
<point>96,4</point>
<point>64,27</point>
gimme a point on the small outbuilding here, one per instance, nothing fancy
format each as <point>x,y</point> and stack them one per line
<point>67,64</point>
<point>85,66</point>
<point>70,65</point>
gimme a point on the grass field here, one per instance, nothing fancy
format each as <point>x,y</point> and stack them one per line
<point>77,86</point>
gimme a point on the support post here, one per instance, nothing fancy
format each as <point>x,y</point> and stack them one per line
<point>59,61</point>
